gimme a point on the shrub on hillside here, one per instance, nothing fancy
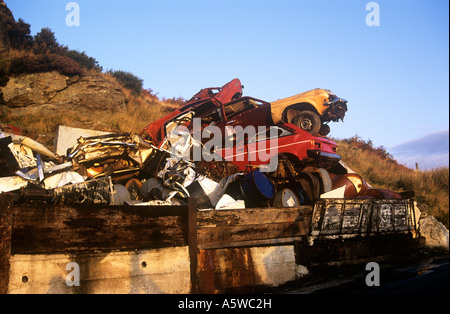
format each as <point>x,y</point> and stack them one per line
<point>128,80</point>
<point>358,143</point>
<point>45,43</point>
<point>44,63</point>
<point>3,71</point>
<point>176,101</point>
<point>148,93</point>
<point>84,60</point>
<point>19,34</point>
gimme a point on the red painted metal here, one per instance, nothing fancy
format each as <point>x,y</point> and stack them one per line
<point>299,143</point>
<point>217,95</point>
<point>229,92</point>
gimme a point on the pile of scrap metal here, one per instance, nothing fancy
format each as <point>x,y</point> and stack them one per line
<point>308,167</point>
<point>32,172</point>
<point>112,169</point>
<point>156,167</point>
<point>117,169</point>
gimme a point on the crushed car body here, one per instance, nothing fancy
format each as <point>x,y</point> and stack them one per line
<point>242,112</point>
<point>207,98</point>
<point>302,148</point>
<point>311,110</point>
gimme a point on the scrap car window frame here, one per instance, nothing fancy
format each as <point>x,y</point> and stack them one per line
<point>266,132</point>
<point>216,111</point>
<point>248,105</point>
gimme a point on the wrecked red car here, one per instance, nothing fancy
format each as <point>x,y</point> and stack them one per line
<point>229,92</point>
<point>242,112</point>
<point>207,98</point>
<point>285,140</point>
<point>218,122</point>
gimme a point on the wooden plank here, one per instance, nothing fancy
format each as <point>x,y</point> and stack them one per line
<point>250,243</point>
<point>5,240</point>
<point>229,227</point>
<point>192,242</point>
<point>251,232</point>
<point>252,216</point>
<point>49,229</point>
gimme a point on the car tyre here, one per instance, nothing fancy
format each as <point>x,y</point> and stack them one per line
<point>324,130</point>
<point>308,121</point>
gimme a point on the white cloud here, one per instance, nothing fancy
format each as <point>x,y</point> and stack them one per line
<point>431,151</point>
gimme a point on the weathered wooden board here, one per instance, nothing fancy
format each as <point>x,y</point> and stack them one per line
<point>48,229</point>
<point>5,241</point>
<point>251,216</point>
<point>226,228</point>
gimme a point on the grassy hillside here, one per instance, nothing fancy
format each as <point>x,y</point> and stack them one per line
<point>380,170</point>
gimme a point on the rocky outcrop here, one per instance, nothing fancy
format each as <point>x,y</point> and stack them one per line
<point>40,93</point>
<point>435,233</point>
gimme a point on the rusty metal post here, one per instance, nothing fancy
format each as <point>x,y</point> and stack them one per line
<point>6,201</point>
<point>192,242</point>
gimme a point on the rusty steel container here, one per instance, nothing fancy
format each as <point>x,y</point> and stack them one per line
<point>343,181</point>
<point>354,184</point>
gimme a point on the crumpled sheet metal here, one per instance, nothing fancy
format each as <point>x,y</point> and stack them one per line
<point>62,179</point>
<point>37,147</point>
<point>177,175</point>
<point>9,184</point>
<point>24,162</point>
<point>93,164</point>
<point>22,154</point>
<point>112,146</point>
<point>179,143</point>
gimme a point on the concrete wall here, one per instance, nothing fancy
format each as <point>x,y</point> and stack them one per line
<point>141,272</point>
<point>158,271</point>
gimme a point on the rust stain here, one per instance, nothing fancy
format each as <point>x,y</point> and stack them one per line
<point>226,270</point>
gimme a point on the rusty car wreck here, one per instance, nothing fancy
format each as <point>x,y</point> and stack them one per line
<point>311,110</point>
<point>140,215</point>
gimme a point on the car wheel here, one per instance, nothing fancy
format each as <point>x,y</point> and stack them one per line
<point>324,130</point>
<point>308,121</point>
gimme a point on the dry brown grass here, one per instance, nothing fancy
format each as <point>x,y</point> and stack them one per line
<point>140,109</point>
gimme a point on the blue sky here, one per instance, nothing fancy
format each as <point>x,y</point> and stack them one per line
<point>395,76</point>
